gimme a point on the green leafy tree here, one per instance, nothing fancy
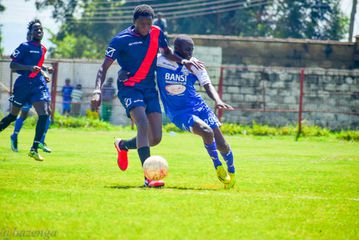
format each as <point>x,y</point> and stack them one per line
<point>2,8</point>
<point>88,25</point>
<point>319,19</point>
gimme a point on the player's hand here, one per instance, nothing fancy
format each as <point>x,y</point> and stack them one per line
<point>50,69</point>
<point>123,75</point>
<point>224,106</point>
<point>35,68</point>
<point>95,101</point>
<point>196,63</point>
<point>47,78</point>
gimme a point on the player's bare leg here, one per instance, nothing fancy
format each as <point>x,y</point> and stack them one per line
<point>154,128</point>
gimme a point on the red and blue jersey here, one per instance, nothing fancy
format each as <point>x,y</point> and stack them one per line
<point>29,53</point>
<point>137,54</point>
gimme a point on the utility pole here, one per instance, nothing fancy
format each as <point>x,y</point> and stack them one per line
<point>352,19</point>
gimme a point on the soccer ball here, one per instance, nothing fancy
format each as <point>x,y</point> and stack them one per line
<point>155,168</point>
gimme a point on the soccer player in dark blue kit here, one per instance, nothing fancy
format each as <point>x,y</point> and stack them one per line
<point>135,50</point>
<point>30,86</point>
<point>188,111</point>
<point>25,111</point>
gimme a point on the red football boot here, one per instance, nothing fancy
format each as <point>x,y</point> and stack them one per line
<point>154,183</point>
<point>122,159</point>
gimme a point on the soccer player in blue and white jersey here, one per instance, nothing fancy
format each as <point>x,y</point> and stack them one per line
<point>30,86</point>
<point>188,111</point>
<point>135,50</point>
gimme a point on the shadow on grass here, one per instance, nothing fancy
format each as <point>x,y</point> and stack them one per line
<point>212,188</point>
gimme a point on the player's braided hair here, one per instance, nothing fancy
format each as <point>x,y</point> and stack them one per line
<point>31,23</point>
<point>143,10</point>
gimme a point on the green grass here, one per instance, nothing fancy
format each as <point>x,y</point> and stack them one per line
<point>285,190</point>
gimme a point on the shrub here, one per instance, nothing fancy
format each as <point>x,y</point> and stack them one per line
<point>349,135</point>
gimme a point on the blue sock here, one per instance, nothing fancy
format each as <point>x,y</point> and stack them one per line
<point>212,152</point>
<point>18,125</point>
<point>228,157</point>
<point>46,128</point>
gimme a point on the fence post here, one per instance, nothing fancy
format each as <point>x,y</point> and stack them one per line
<point>55,66</point>
<point>220,92</point>
<point>300,103</point>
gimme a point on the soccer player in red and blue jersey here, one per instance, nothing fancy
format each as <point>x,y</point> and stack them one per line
<point>25,111</point>
<point>135,50</point>
<point>187,109</point>
<point>30,86</point>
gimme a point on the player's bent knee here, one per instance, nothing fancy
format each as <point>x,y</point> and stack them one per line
<point>222,147</point>
<point>207,134</point>
<point>155,141</point>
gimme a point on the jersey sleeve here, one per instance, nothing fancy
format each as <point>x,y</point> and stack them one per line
<point>163,62</point>
<point>19,53</point>
<point>113,49</point>
<point>162,41</point>
<point>202,75</point>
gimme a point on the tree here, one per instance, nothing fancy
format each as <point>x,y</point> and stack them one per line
<point>2,8</point>
<point>88,25</point>
<point>319,19</point>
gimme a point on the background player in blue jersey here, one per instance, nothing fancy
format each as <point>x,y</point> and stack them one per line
<point>188,111</point>
<point>25,111</point>
<point>135,50</point>
<point>30,86</point>
<point>66,97</point>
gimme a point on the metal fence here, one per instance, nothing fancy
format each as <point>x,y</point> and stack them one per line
<point>267,95</point>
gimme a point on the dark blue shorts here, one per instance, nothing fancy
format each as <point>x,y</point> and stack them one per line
<point>132,97</point>
<point>66,106</point>
<point>29,90</point>
<point>186,119</point>
<point>26,107</point>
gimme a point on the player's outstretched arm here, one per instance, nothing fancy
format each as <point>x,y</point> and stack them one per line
<point>212,93</point>
<point>46,76</point>
<point>100,78</point>
<point>168,53</point>
<point>49,69</point>
<point>17,66</point>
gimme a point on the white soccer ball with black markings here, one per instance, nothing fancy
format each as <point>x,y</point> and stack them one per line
<point>155,168</point>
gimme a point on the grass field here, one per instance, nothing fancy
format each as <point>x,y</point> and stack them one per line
<point>285,190</point>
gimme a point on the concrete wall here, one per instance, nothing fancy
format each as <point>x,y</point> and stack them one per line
<point>270,95</point>
<point>283,52</point>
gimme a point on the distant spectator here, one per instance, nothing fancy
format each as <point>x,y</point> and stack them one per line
<point>161,22</point>
<point>108,93</point>
<point>76,96</point>
<point>66,97</point>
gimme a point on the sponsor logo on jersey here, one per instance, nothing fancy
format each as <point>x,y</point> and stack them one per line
<point>110,51</point>
<point>176,78</point>
<point>175,89</point>
<point>135,43</point>
<point>15,53</point>
<point>128,101</point>
<point>33,51</point>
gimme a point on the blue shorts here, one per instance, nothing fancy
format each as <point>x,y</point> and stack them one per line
<point>131,97</point>
<point>186,120</point>
<point>29,90</point>
<point>66,107</point>
<point>26,107</point>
